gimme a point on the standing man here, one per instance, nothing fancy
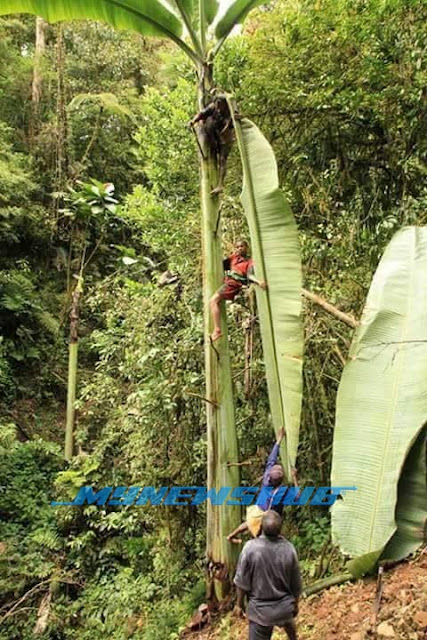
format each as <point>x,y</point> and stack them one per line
<point>239,271</point>
<point>268,575</point>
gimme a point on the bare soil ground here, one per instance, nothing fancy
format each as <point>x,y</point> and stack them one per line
<point>345,612</point>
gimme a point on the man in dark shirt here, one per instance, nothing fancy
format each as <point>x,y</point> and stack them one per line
<point>219,132</point>
<point>268,574</point>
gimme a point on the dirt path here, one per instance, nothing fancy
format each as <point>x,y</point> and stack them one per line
<point>344,613</point>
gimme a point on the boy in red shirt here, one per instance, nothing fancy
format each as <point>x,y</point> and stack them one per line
<point>239,271</point>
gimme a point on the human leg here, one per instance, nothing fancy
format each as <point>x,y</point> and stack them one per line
<point>258,632</point>
<point>222,166</point>
<point>240,529</point>
<point>228,291</point>
<point>216,315</point>
<point>291,629</point>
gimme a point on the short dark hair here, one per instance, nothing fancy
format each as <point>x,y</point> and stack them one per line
<point>242,241</point>
<point>276,475</point>
<point>271,524</point>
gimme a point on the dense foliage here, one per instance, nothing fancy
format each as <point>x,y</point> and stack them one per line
<point>341,95</point>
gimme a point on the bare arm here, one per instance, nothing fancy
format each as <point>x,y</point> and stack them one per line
<point>239,608</point>
<point>251,278</point>
<point>202,115</point>
<point>260,283</point>
<point>296,582</point>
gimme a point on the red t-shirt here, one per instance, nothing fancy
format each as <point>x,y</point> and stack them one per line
<point>238,267</point>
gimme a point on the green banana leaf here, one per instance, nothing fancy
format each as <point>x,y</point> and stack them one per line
<point>235,14</point>
<point>148,17</point>
<point>211,9</point>
<point>381,413</point>
<point>276,253</point>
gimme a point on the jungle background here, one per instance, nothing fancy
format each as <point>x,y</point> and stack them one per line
<point>339,90</point>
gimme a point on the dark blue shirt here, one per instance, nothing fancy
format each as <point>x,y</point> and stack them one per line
<point>267,504</point>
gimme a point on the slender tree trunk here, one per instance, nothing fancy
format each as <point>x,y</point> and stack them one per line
<point>61,164</point>
<point>221,428</point>
<point>72,368</point>
<point>36,92</point>
<point>329,308</point>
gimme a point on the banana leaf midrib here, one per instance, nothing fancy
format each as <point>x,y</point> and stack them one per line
<point>393,404</point>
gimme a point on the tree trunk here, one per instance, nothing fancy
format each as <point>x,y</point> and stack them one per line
<point>61,166</point>
<point>36,91</point>
<point>72,368</point>
<point>329,308</point>
<point>221,428</point>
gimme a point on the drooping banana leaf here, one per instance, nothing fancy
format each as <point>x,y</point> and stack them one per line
<point>381,413</point>
<point>411,503</point>
<point>235,14</point>
<point>149,17</point>
<point>276,252</point>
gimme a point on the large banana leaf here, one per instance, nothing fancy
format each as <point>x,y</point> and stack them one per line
<point>276,252</point>
<point>149,17</point>
<point>381,413</point>
<point>235,14</point>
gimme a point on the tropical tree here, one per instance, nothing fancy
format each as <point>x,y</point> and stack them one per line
<point>89,205</point>
<point>172,20</point>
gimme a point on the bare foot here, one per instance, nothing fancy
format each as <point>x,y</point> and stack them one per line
<point>216,191</point>
<point>216,335</point>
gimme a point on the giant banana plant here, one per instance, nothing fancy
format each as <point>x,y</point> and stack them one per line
<point>380,434</point>
<point>188,24</point>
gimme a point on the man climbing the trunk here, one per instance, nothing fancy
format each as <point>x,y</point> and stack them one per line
<point>217,131</point>
<point>268,575</point>
<point>239,271</point>
<point>273,477</point>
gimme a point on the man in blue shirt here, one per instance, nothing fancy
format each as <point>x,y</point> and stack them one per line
<point>273,477</point>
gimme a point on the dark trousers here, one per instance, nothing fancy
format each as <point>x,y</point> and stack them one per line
<point>258,632</point>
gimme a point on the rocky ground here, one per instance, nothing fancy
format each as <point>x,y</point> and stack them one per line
<point>346,612</point>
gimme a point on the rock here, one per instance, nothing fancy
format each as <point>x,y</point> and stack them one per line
<point>386,630</point>
<point>421,619</point>
<point>355,608</point>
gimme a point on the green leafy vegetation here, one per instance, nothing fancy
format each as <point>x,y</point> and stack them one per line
<point>339,93</point>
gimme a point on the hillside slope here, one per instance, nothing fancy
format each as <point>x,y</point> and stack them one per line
<point>345,612</point>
